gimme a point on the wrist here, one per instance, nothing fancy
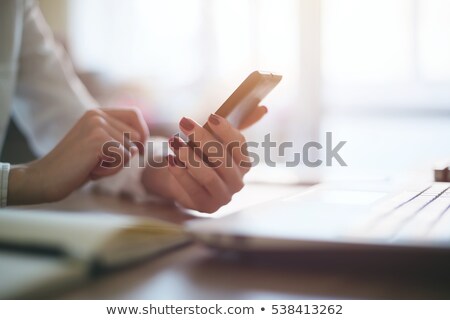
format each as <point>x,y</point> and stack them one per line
<point>24,186</point>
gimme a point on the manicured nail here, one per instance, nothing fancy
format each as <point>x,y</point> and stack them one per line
<point>214,119</point>
<point>134,150</point>
<point>175,143</point>
<point>265,109</point>
<point>187,124</point>
<point>171,160</point>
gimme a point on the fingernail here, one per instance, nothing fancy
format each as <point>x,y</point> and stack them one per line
<point>171,160</point>
<point>187,124</point>
<point>214,119</point>
<point>175,143</point>
<point>265,109</point>
<point>134,150</point>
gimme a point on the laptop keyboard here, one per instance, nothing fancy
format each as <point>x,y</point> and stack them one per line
<point>422,215</point>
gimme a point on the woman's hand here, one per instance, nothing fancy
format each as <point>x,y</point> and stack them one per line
<point>82,155</point>
<point>205,172</point>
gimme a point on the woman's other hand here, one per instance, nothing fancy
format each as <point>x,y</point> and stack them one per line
<point>85,153</point>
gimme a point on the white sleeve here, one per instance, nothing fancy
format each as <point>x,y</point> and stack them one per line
<point>49,96</point>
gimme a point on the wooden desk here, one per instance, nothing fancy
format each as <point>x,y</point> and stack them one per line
<point>195,272</point>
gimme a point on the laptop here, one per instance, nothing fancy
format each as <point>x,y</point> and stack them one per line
<point>357,217</point>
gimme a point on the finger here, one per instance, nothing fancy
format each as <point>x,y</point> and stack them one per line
<point>253,117</point>
<point>118,136</point>
<point>123,127</point>
<point>132,117</point>
<point>112,156</point>
<point>187,191</point>
<point>214,152</point>
<point>97,118</point>
<point>233,139</point>
<point>204,175</point>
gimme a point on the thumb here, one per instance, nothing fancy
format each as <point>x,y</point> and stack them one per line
<point>253,117</point>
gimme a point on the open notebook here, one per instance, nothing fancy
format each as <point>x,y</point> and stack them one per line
<point>38,248</point>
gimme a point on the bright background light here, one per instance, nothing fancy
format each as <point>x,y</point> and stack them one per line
<point>373,59</point>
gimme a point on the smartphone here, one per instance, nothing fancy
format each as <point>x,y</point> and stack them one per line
<point>247,97</point>
<point>244,100</point>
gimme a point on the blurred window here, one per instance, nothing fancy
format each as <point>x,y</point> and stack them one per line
<point>386,54</point>
<point>379,54</point>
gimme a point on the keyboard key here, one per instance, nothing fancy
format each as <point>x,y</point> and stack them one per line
<point>389,225</point>
<point>418,226</point>
<point>436,189</point>
<point>408,216</point>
